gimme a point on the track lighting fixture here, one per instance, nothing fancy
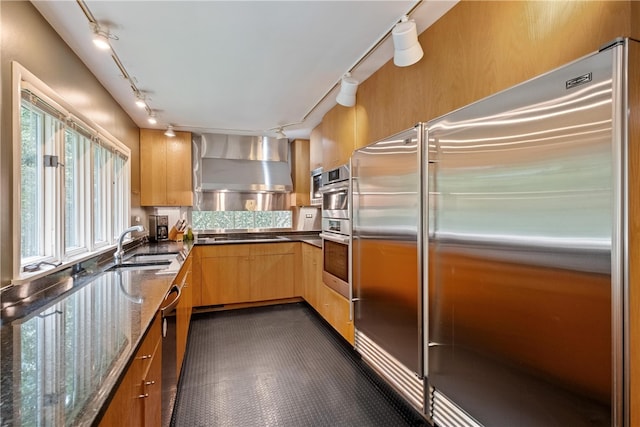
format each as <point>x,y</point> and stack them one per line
<point>101,37</point>
<point>407,49</point>
<point>152,118</point>
<point>169,132</point>
<point>140,102</point>
<point>348,89</point>
<point>280,133</point>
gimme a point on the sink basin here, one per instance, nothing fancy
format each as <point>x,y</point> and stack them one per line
<point>142,258</point>
<point>148,265</point>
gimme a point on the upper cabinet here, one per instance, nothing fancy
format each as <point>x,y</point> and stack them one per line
<point>301,175</point>
<point>315,148</point>
<point>165,169</point>
<point>338,136</point>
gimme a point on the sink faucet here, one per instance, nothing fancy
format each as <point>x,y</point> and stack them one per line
<point>117,255</point>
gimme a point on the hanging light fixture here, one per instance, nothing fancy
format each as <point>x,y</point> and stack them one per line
<point>280,134</point>
<point>348,89</point>
<point>407,49</point>
<point>169,132</point>
<point>152,118</point>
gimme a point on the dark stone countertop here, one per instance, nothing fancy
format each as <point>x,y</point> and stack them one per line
<point>67,340</point>
<point>64,352</point>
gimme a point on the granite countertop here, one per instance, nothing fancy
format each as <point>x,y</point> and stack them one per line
<point>67,340</point>
<point>63,354</point>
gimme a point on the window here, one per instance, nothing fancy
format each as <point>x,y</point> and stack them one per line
<point>74,182</point>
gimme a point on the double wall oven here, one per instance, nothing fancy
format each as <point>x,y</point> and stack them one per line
<point>336,229</point>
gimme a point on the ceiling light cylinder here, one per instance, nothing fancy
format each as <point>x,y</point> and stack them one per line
<point>169,132</point>
<point>348,89</point>
<point>152,118</point>
<point>407,49</point>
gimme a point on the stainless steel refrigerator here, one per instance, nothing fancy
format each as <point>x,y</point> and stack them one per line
<point>528,267</point>
<point>387,260</point>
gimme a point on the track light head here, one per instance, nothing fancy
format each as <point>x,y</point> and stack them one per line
<point>101,37</point>
<point>152,118</point>
<point>407,49</point>
<point>348,89</point>
<point>280,134</point>
<point>140,101</point>
<point>169,132</point>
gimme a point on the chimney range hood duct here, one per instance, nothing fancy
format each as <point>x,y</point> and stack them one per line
<point>244,163</point>
<point>230,167</point>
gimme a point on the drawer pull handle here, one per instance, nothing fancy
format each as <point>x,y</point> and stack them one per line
<point>146,356</point>
<point>150,383</point>
<point>143,396</point>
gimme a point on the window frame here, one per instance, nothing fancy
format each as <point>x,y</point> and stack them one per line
<point>54,235</point>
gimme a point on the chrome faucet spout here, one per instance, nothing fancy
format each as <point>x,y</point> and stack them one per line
<point>117,255</point>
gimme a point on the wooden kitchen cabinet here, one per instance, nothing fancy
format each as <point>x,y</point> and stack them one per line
<point>301,175</point>
<point>332,306</point>
<point>138,399</point>
<point>338,136</point>
<point>272,271</point>
<point>335,310</point>
<point>240,273</point>
<point>315,148</point>
<point>183,311</point>
<point>312,274</point>
<point>165,169</point>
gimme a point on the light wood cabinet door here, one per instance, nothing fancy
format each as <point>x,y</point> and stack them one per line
<point>152,389</point>
<point>335,310</point>
<point>136,402</point>
<point>301,175</point>
<point>272,277</point>
<point>165,169</point>
<point>315,148</point>
<point>338,136</point>
<point>225,280</point>
<point>312,274</point>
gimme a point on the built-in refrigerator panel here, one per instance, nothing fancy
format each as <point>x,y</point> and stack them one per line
<point>386,251</point>
<point>524,188</point>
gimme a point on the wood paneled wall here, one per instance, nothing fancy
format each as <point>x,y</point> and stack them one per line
<point>479,48</point>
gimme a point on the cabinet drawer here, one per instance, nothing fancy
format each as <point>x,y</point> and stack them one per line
<point>273,248</point>
<point>214,251</point>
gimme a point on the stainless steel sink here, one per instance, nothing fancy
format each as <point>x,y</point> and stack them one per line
<point>166,261</point>
<point>140,258</point>
<point>157,265</point>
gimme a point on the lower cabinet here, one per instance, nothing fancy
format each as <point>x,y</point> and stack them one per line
<point>138,399</point>
<point>311,274</point>
<point>335,310</point>
<point>332,306</point>
<point>246,272</point>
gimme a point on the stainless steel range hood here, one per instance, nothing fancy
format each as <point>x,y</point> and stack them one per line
<point>238,172</point>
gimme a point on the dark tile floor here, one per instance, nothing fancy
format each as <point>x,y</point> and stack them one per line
<point>279,366</point>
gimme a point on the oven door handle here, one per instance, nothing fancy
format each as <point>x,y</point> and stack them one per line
<point>337,239</point>
<point>335,187</point>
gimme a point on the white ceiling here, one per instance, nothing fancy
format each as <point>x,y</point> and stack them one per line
<point>244,67</point>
